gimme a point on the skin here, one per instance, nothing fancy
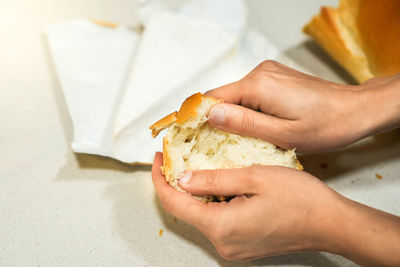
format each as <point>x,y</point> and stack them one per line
<point>278,210</point>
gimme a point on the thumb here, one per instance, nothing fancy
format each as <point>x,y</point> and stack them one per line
<point>247,122</point>
<point>221,182</point>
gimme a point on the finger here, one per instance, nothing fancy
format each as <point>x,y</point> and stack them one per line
<point>180,204</point>
<point>243,93</point>
<point>230,93</point>
<point>266,88</point>
<point>222,182</point>
<point>243,121</point>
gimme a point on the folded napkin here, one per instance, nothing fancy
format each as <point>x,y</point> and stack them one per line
<point>117,82</point>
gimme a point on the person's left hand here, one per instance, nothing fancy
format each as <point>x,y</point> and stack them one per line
<point>276,209</point>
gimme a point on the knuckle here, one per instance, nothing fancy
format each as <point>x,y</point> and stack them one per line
<point>288,133</point>
<point>268,71</point>
<point>255,177</point>
<point>269,64</point>
<point>247,123</point>
<point>247,89</point>
<point>263,74</point>
<point>258,76</point>
<point>226,252</point>
<point>251,88</point>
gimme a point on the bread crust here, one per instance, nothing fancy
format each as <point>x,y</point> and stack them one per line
<point>328,30</point>
<point>299,166</point>
<point>166,169</point>
<point>379,28</point>
<point>165,122</point>
<point>187,111</point>
<point>361,35</point>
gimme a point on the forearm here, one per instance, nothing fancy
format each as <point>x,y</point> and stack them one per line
<point>365,235</point>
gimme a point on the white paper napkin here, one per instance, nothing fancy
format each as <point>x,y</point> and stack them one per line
<point>174,49</point>
<point>91,62</point>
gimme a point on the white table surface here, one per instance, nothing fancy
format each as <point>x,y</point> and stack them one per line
<point>62,209</point>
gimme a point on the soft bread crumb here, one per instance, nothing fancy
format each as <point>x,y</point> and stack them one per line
<point>194,145</point>
<point>210,148</point>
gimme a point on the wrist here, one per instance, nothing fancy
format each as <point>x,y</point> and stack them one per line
<point>379,105</point>
<point>327,232</point>
<point>362,234</point>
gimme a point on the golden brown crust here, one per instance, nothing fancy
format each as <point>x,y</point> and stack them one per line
<point>361,35</point>
<point>298,165</point>
<point>379,29</point>
<point>166,162</point>
<point>162,124</point>
<point>326,28</point>
<point>188,109</point>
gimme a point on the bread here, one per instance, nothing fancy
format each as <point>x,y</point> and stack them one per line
<point>191,144</point>
<point>361,35</point>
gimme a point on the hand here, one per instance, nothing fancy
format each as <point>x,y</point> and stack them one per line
<point>279,210</point>
<point>294,110</point>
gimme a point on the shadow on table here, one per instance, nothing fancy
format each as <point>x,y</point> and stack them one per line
<point>366,153</point>
<point>303,259</point>
<point>93,167</point>
<point>306,53</point>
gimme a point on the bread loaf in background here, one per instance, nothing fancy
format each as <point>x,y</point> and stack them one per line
<point>361,35</point>
<point>191,144</point>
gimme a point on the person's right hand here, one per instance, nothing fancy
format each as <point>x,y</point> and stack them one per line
<point>278,210</point>
<point>293,110</point>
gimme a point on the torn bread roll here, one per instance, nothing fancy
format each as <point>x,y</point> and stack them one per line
<point>191,144</point>
<point>361,35</point>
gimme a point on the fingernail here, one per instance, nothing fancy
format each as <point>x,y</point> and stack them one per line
<point>185,178</point>
<point>217,115</point>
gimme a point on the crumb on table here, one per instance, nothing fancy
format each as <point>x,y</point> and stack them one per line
<point>377,175</point>
<point>174,220</point>
<point>160,232</point>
